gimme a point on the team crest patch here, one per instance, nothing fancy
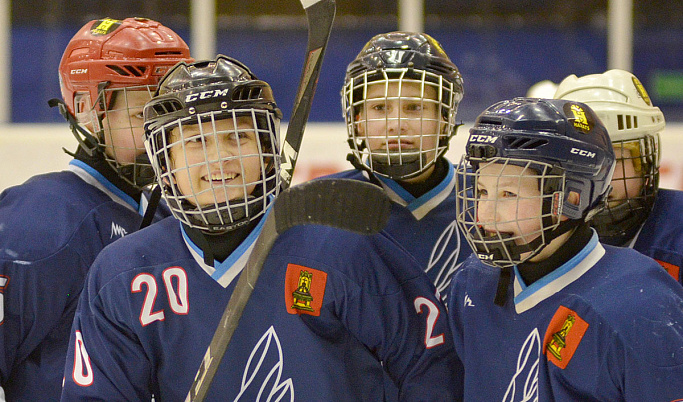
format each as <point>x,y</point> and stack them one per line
<point>304,290</point>
<point>563,336</point>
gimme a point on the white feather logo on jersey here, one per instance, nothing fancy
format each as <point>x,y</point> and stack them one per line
<point>117,230</point>
<point>265,364</point>
<point>448,262</point>
<point>526,374</point>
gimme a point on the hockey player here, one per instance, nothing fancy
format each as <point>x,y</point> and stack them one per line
<point>639,215</point>
<point>54,225</point>
<point>400,99</point>
<point>572,319</point>
<point>153,299</point>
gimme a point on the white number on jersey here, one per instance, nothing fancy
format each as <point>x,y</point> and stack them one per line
<point>177,295</point>
<point>432,316</point>
<point>3,283</point>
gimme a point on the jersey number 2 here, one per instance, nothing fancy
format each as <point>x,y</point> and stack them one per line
<point>432,316</point>
<point>177,295</point>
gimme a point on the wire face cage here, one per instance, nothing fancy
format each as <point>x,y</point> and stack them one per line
<point>634,188</point>
<point>119,128</point>
<point>504,204</point>
<point>219,169</point>
<point>399,121</point>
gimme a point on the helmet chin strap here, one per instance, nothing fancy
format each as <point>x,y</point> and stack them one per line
<point>86,140</point>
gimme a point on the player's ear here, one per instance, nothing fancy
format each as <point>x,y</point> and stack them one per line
<point>573,198</point>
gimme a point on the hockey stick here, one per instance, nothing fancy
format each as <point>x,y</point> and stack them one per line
<point>320,15</point>
<point>346,204</point>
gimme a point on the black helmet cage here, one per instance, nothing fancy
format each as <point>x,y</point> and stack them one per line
<point>398,58</point>
<point>568,153</point>
<point>623,217</point>
<point>203,94</point>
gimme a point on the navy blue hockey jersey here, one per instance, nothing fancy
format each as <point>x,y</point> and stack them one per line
<point>605,326</point>
<point>425,226</point>
<point>51,229</point>
<point>330,310</point>
<point>661,236</point>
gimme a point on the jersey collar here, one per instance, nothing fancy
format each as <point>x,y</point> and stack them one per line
<point>526,297</point>
<point>96,179</point>
<point>224,273</point>
<point>424,204</point>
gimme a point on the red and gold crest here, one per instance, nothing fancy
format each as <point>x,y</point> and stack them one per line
<point>563,336</point>
<point>304,290</point>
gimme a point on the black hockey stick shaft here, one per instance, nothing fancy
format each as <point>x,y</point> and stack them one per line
<point>340,203</point>
<point>320,16</point>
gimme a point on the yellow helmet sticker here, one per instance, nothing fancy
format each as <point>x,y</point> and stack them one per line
<point>105,26</point>
<point>580,121</point>
<point>641,90</point>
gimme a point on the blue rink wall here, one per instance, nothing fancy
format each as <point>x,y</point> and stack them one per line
<point>495,64</point>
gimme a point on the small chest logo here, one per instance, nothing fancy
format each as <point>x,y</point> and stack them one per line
<point>304,290</point>
<point>117,230</point>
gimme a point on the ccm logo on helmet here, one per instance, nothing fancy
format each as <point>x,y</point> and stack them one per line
<point>214,93</point>
<point>79,71</point>
<point>486,139</point>
<point>485,256</point>
<point>582,152</point>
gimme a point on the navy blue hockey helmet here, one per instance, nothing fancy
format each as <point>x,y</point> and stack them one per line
<point>562,143</point>
<point>196,98</point>
<point>404,59</point>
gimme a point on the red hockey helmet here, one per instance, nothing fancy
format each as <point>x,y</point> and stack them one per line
<point>108,57</point>
<point>110,54</point>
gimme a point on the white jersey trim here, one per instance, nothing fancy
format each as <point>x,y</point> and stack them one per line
<point>224,273</point>
<point>93,178</point>
<point>424,204</point>
<point>526,297</point>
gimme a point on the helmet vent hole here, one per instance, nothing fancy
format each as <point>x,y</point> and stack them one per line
<point>628,122</point>
<point>128,70</point>
<point>526,143</point>
<point>620,122</point>
<point>247,93</point>
<point>168,53</point>
<point>169,106</point>
<point>490,121</point>
<point>118,70</point>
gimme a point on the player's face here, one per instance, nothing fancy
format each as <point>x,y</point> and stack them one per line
<point>122,126</point>
<point>409,123</point>
<point>216,166</point>
<point>509,201</point>
<point>626,182</point>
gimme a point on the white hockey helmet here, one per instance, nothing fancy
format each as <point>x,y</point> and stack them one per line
<point>633,123</point>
